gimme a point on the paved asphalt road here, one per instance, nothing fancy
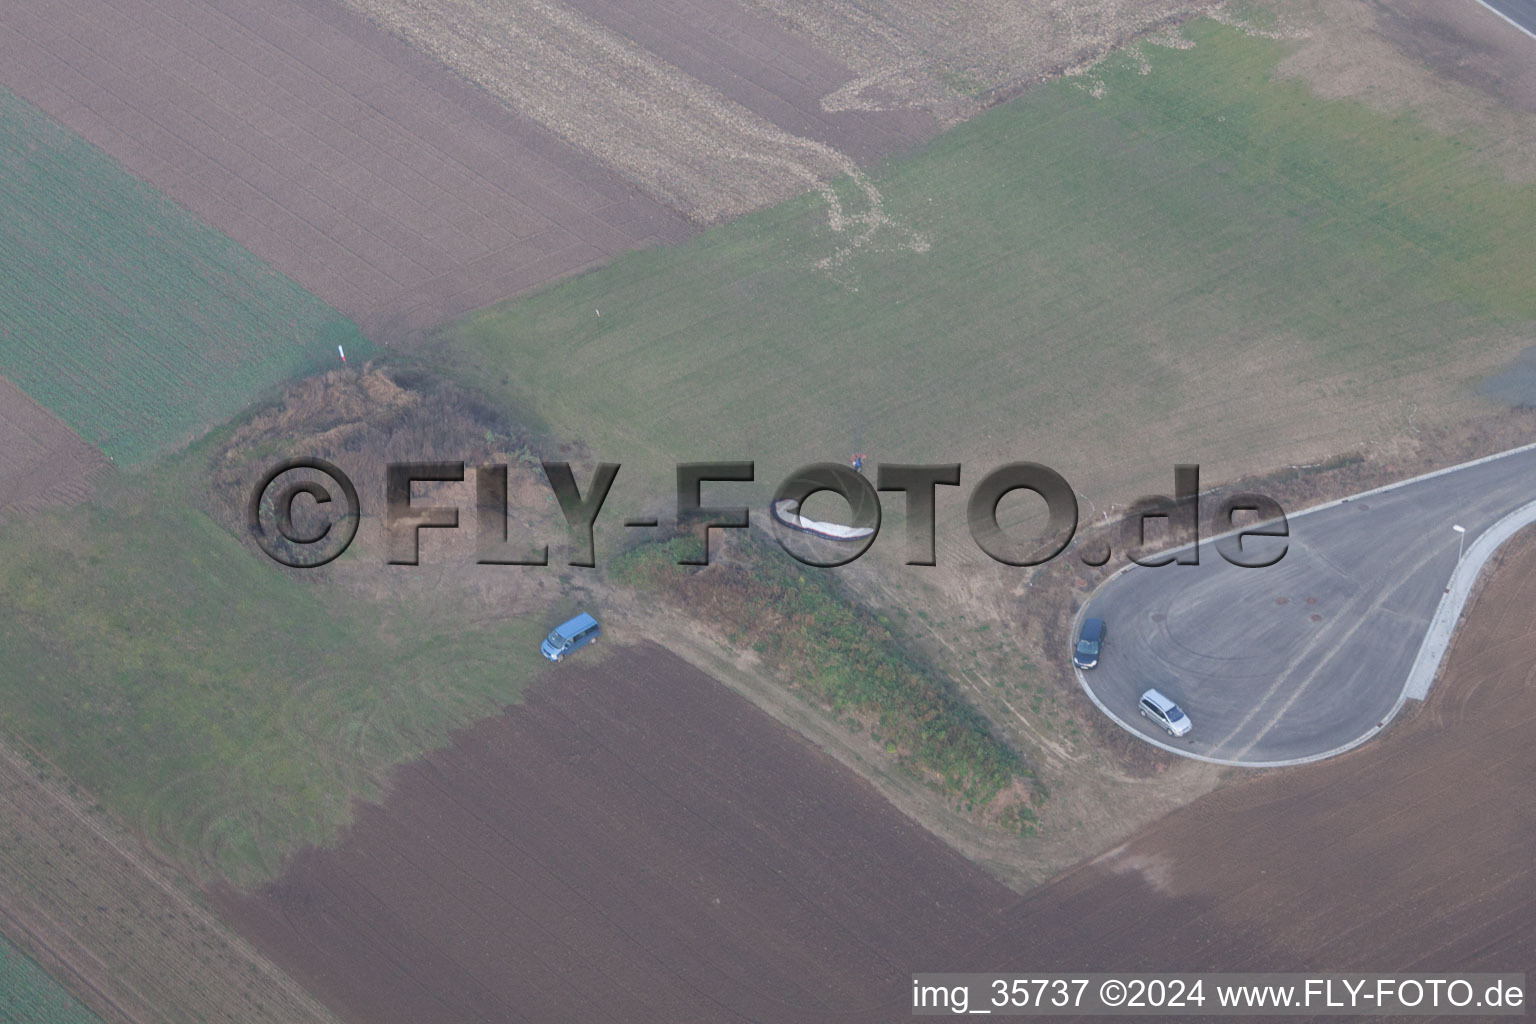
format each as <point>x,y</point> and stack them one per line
<point>1311,654</point>
<point>1298,660</point>
<point>1521,12</point>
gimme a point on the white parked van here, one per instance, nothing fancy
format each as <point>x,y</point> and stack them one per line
<point>1165,713</point>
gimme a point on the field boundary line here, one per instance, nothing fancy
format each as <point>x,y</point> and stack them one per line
<point>201,151</point>
<point>117,845</point>
<point>30,943</point>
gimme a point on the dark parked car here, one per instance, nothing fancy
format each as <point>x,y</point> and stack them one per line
<point>1089,644</point>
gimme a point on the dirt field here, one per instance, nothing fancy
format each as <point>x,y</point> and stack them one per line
<point>753,60</point>
<point>42,462</point>
<point>639,843</point>
<point>375,178</point>
<point>953,56</point>
<point>682,141</point>
<point>402,194</point>
<point>721,107</point>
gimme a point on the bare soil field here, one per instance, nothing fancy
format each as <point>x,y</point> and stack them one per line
<point>719,107</point>
<point>42,461</point>
<point>637,843</point>
<point>759,63</point>
<point>1466,42</point>
<point>374,177</point>
<point>681,140</point>
<point>952,57</point>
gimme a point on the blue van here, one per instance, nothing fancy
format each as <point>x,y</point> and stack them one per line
<point>571,636</point>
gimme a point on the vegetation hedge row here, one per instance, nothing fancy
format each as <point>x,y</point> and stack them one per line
<point>836,653</point>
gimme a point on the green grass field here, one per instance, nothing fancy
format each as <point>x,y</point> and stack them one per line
<point>29,996</point>
<point>228,711</point>
<point>1206,264</point>
<point>122,313</point>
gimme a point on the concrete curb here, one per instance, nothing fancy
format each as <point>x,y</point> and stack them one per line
<point>1437,638</point>
<point>1507,18</point>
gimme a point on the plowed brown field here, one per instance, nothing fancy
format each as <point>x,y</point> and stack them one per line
<point>404,195</point>
<point>42,462</point>
<point>638,843</point>
<point>372,176</point>
<point>754,60</point>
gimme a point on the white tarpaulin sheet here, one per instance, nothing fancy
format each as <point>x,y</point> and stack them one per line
<point>788,513</point>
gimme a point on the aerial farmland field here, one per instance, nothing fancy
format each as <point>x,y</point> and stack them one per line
<point>1094,234</point>
<point>1405,854</point>
<point>124,931</point>
<point>1097,282</point>
<point>373,177</point>
<point>636,826</point>
<point>242,726</point>
<point>131,321</point>
<point>27,993</point>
